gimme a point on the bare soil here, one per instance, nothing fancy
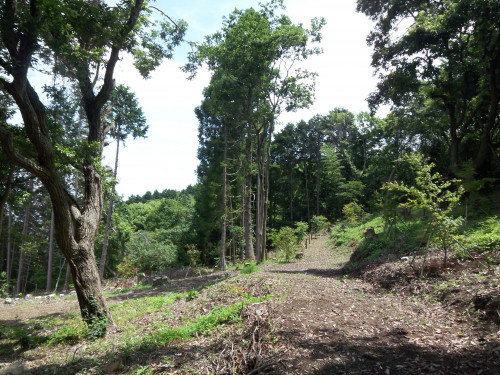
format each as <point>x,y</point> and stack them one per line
<point>321,321</point>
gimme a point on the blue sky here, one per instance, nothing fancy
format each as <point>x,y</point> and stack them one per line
<point>166,159</point>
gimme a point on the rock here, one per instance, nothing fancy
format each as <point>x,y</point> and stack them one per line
<point>405,259</point>
<point>9,301</point>
<point>28,296</point>
<point>16,369</point>
<point>299,256</point>
<point>38,297</point>
<point>61,295</point>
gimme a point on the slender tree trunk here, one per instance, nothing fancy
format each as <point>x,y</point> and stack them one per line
<point>318,172</point>
<point>290,193</point>
<point>50,253</point>
<point>62,262</point>
<point>26,224</point>
<point>9,259</point>
<point>308,200</point>
<point>222,261</point>
<point>3,201</point>
<point>247,205</point>
<point>109,215</point>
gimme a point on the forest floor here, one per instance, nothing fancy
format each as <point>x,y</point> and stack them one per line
<point>306,317</point>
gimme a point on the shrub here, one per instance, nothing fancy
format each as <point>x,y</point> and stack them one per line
<point>251,268</point>
<point>286,241</point>
<point>319,224</point>
<point>194,255</point>
<point>353,212</point>
<point>300,231</point>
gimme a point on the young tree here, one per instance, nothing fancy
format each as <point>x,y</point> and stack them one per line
<point>83,41</point>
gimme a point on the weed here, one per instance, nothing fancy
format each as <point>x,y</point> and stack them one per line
<point>251,268</point>
<point>191,295</point>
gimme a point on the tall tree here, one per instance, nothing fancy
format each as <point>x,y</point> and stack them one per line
<point>126,118</point>
<point>450,52</point>
<point>83,40</point>
<point>259,50</point>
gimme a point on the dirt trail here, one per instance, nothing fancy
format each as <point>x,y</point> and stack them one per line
<point>328,324</point>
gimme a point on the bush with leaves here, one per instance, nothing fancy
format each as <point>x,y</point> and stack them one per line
<point>147,251</point>
<point>353,212</point>
<point>300,231</point>
<point>431,192</point>
<point>319,224</point>
<point>286,241</point>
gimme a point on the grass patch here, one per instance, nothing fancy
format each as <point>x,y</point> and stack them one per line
<point>203,324</point>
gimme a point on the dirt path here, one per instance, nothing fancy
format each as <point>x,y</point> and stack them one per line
<point>328,324</point>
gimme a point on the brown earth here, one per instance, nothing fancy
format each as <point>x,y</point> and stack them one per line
<point>319,321</point>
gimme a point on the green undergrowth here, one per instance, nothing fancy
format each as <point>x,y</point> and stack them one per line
<point>203,324</point>
<point>410,234</point>
<point>143,324</point>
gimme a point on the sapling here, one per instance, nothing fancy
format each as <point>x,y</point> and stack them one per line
<point>430,192</point>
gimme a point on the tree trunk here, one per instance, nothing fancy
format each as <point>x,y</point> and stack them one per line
<point>290,192</point>
<point>318,172</point>
<point>247,205</point>
<point>26,225</point>
<point>8,267</point>
<point>308,200</point>
<point>110,213</point>
<point>50,254</point>
<point>3,201</point>
<point>222,259</point>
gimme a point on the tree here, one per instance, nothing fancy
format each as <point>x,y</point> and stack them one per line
<point>259,50</point>
<point>82,41</point>
<point>432,193</point>
<point>126,118</point>
<point>451,54</point>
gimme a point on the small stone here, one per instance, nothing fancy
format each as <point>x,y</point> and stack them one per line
<point>9,301</point>
<point>405,259</point>
<point>38,297</point>
<point>28,296</point>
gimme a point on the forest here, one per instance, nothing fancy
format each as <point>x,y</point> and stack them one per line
<point>421,183</point>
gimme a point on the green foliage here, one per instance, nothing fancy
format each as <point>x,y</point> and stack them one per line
<point>149,251</point>
<point>301,230</point>
<point>353,212</point>
<point>286,241</point>
<point>432,193</point>
<point>251,268</point>
<point>194,255</point>
<point>3,285</point>
<point>319,224</point>
<point>480,235</point>
<point>191,295</point>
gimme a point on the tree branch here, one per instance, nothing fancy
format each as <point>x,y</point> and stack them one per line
<point>7,142</point>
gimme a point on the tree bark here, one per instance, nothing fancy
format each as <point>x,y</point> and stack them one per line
<point>50,254</point>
